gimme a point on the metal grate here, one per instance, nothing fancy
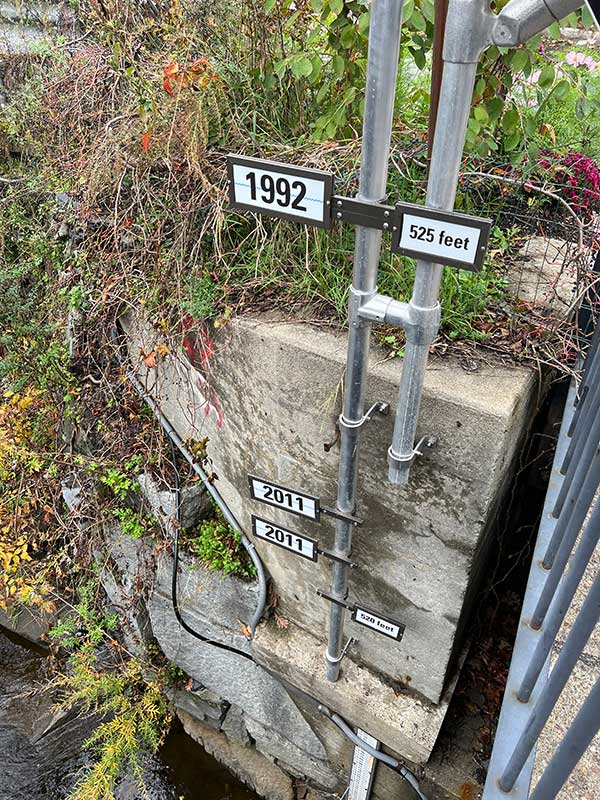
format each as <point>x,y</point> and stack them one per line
<point>531,693</point>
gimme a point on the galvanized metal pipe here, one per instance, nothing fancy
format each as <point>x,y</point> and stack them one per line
<point>570,531</point>
<point>576,741</point>
<point>573,647</point>
<point>453,115</point>
<point>560,604</point>
<point>382,71</point>
<point>585,413</point>
<point>578,500</point>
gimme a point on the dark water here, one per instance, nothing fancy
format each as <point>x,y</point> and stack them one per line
<point>41,757</point>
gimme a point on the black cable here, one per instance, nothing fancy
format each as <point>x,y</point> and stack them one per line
<point>174,593</point>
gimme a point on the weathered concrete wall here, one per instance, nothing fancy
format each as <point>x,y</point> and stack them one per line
<point>268,402</point>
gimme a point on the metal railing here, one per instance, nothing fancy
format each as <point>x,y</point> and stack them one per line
<point>531,691</point>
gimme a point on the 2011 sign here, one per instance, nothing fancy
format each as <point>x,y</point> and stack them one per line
<point>280,190</point>
<point>303,505</point>
<point>282,537</point>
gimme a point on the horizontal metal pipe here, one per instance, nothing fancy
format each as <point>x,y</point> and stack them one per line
<point>519,20</point>
<point>579,634</point>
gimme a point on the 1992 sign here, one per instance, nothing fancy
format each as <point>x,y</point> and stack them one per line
<point>280,190</point>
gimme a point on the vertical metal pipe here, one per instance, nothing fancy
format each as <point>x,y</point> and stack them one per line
<point>590,356</point>
<point>453,115</point>
<point>567,537</point>
<point>586,411</point>
<point>561,604</point>
<point>576,741</point>
<point>573,647</point>
<point>382,72</point>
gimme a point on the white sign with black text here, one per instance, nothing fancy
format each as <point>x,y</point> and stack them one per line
<point>384,625</point>
<point>282,537</point>
<point>303,505</point>
<point>280,190</point>
<point>446,238</point>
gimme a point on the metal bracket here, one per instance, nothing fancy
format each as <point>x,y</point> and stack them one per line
<point>333,512</point>
<point>337,660</point>
<point>367,215</point>
<point>425,441</point>
<point>377,408</point>
<point>335,557</point>
<point>335,600</point>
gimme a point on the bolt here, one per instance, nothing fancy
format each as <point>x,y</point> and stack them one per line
<point>339,215</point>
<point>386,213</point>
<point>339,204</point>
<point>385,226</point>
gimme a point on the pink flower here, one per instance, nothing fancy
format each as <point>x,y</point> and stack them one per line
<point>532,102</point>
<point>580,60</point>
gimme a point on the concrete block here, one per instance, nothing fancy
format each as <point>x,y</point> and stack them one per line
<point>405,723</point>
<point>268,402</point>
<point>546,276</point>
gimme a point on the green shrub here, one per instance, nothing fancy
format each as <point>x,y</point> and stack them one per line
<point>219,547</point>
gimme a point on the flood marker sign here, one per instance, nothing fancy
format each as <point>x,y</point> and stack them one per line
<point>306,196</point>
<point>451,239</point>
<point>303,505</point>
<point>280,190</point>
<point>282,537</point>
<point>385,625</point>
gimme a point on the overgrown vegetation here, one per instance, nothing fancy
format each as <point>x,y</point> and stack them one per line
<point>219,547</point>
<point>125,693</point>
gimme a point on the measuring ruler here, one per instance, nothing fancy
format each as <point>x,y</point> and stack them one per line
<point>363,769</point>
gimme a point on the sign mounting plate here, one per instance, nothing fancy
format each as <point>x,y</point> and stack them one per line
<point>450,239</point>
<point>303,505</point>
<point>280,190</point>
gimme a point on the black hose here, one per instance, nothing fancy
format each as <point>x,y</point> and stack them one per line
<point>174,593</point>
